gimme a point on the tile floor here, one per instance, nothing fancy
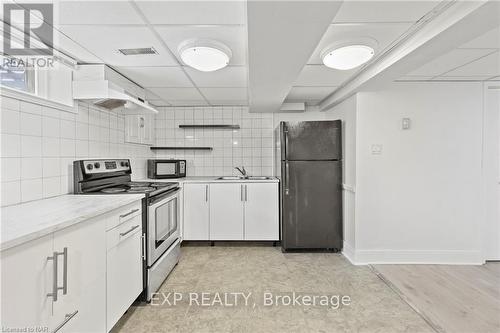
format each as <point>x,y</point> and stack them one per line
<point>374,306</point>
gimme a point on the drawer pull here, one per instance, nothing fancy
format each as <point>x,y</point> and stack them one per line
<point>129,231</point>
<point>131,212</point>
<point>67,318</point>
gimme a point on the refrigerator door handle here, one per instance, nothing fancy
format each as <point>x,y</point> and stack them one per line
<point>287,175</point>
<point>285,134</point>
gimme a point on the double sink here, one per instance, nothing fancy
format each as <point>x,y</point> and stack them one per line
<point>244,178</point>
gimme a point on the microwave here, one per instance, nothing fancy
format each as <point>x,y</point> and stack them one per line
<point>158,169</point>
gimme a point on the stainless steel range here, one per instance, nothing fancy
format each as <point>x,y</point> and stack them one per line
<point>160,213</point>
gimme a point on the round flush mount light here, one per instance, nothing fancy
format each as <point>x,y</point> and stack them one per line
<point>345,57</point>
<point>205,55</point>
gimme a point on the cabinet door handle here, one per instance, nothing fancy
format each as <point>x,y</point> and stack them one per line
<point>65,271</point>
<point>246,192</point>
<point>241,192</point>
<point>131,212</point>
<point>206,193</point>
<point>129,230</point>
<point>53,294</point>
<point>67,318</point>
<point>143,237</point>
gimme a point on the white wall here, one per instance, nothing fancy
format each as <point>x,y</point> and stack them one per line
<point>39,145</point>
<point>420,199</point>
<point>491,170</point>
<point>346,111</point>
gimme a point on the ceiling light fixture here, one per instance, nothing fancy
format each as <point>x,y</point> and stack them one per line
<point>348,56</point>
<point>205,55</point>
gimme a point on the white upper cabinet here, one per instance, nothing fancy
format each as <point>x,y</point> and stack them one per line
<point>196,212</point>
<point>139,129</point>
<point>261,211</point>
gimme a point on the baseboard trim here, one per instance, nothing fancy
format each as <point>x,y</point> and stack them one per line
<point>451,257</point>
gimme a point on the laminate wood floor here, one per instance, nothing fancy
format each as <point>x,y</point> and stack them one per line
<point>451,298</point>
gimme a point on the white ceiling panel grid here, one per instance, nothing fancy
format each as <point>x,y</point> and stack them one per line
<point>173,77</point>
<point>97,12</point>
<point>383,11</point>
<point>449,61</point>
<point>104,42</point>
<point>232,76</point>
<point>194,12</point>
<point>176,94</point>
<point>224,94</point>
<point>487,66</point>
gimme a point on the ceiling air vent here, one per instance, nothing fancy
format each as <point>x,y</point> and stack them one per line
<point>139,51</point>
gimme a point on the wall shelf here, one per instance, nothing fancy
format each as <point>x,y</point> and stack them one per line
<point>181,148</point>
<point>211,126</point>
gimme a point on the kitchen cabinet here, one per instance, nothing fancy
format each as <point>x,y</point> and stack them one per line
<point>226,211</point>
<point>196,212</point>
<point>261,211</point>
<point>27,277</point>
<point>139,129</point>
<point>82,275</point>
<point>124,267</point>
<point>84,265</point>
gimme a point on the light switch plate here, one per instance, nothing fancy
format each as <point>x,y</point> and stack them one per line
<point>405,123</point>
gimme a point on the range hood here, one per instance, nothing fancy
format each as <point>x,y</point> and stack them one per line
<point>106,88</point>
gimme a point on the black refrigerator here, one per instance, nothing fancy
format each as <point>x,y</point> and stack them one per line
<point>310,160</point>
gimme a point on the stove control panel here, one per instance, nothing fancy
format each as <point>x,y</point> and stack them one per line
<point>104,166</point>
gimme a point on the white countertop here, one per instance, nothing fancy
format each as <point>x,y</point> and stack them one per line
<point>211,179</point>
<point>27,221</point>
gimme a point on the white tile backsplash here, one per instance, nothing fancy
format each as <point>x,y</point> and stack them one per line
<point>247,146</point>
<point>39,145</point>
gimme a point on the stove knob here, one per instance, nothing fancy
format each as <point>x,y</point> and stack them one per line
<point>123,163</point>
<point>97,165</point>
<point>90,166</point>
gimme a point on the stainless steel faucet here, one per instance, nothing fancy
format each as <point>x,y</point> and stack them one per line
<point>242,171</point>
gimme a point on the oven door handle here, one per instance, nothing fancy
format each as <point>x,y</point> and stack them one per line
<point>153,200</point>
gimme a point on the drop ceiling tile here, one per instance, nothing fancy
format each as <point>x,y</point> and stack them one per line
<point>177,94</point>
<point>157,76</point>
<point>74,50</point>
<point>229,103</point>
<point>490,39</point>
<point>233,37</point>
<point>104,42</point>
<point>302,94</point>
<point>321,76</point>
<point>449,61</point>
<point>224,94</point>
<point>414,78</point>
<point>98,12</point>
<point>383,33</point>
<point>461,78</point>
<point>189,103</point>
<point>194,12</point>
<point>225,77</point>
<point>383,11</point>
<point>487,66</point>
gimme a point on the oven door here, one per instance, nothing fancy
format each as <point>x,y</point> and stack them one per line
<point>163,224</point>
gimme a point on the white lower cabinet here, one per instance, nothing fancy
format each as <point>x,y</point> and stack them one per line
<point>231,211</point>
<point>196,212</point>
<point>27,277</point>
<point>80,305</point>
<point>261,211</point>
<point>124,268</point>
<point>226,211</point>
<point>93,274</point>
